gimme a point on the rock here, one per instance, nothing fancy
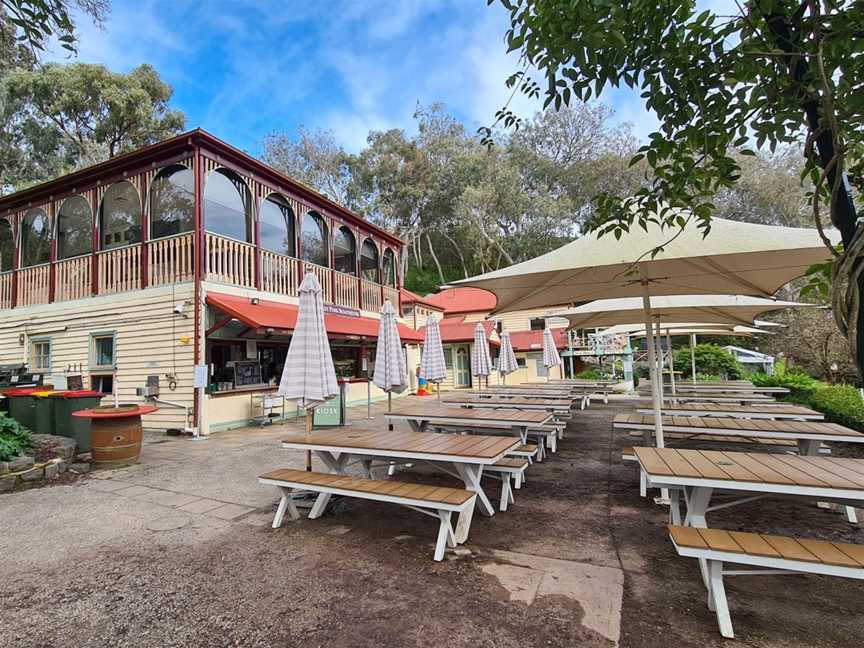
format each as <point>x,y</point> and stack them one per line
<point>4,467</point>
<point>80,467</point>
<point>7,484</point>
<point>20,464</point>
<point>62,466</point>
<point>33,474</point>
<point>51,471</point>
<point>84,457</point>
<point>49,446</point>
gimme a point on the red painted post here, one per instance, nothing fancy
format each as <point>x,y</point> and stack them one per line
<point>52,257</point>
<point>94,259</point>
<point>256,215</point>
<point>145,233</point>
<point>198,252</point>
<point>16,253</point>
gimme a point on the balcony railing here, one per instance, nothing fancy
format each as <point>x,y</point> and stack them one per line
<point>73,278</point>
<point>172,260</point>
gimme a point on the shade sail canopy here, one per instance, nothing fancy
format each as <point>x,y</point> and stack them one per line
<point>282,318</point>
<point>734,259</point>
<point>724,309</point>
<point>679,328</point>
<point>391,371</point>
<point>432,365</point>
<point>309,377</point>
<point>506,358</point>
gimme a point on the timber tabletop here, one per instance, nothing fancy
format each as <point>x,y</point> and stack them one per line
<point>475,446</point>
<point>473,399</point>
<point>753,467</point>
<point>755,426</point>
<point>474,396</point>
<point>719,409</point>
<point>433,411</point>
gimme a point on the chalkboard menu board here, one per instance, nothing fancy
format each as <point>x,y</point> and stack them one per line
<point>247,372</point>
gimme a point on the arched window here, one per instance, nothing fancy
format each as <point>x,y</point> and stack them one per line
<point>7,245</point>
<point>74,228</point>
<point>389,268</point>
<point>345,251</point>
<point>369,261</point>
<point>35,238</point>
<point>314,238</point>
<point>228,206</point>
<point>120,216</point>
<point>172,201</point>
<point>276,226</point>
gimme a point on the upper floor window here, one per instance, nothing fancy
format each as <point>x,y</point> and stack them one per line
<point>276,225</point>
<point>538,323</point>
<point>120,216</point>
<point>369,261</point>
<point>228,206</point>
<point>35,238</point>
<point>389,268</point>
<point>345,251</point>
<point>314,239</point>
<point>103,351</point>
<point>40,355</point>
<point>172,202</point>
<point>7,245</point>
<point>74,228</point>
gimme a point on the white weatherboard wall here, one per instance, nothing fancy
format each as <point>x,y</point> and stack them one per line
<point>149,339</point>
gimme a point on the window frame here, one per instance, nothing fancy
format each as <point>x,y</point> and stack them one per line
<point>162,174</point>
<point>542,320</point>
<point>289,220</point>
<point>323,230</point>
<point>100,217</point>
<point>36,211</point>
<point>249,207</point>
<point>33,355</point>
<point>93,365</point>
<point>377,280</point>
<point>337,231</point>
<point>58,219</point>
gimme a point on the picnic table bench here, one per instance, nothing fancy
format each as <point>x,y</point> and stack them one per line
<point>809,435</point>
<point>442,501</point>
<point>700,474</point>
<point>753,411</point>
<point>763,554</point>
<point>507,420</point>
<point>690,387</point>
<point>711,397</point>
<point>461,456</point>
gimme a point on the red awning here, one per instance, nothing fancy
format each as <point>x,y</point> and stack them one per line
<point>281,318</point>
<point>533,340</point>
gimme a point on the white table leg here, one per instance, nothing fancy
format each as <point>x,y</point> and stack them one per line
<point>285,504</point>
<point>717,598</point>
<point>470,475</point>
<point>336,464</point>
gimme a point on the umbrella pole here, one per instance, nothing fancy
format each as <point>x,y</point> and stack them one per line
<point>309,413</point>
<point>693,358</point>
<point>658,337</point>
<point>438,389</point>
<point>390,408</point>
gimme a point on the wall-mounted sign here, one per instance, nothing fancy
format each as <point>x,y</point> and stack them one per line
<point>341,310</point>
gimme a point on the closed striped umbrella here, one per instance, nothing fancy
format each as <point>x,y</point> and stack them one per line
<point>481,361</point>
<point>550,351</point>
<point>506,358</point>
<point>432,366</point>
<point>391,373</point>
<point>309,377</point>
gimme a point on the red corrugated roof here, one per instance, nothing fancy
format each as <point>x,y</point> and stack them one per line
<point>464,300</point>
<point>283,317</point>
<point>409,297</point>
<point>456,329</point>
<point>533,340</point>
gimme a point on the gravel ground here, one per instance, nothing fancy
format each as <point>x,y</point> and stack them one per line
<point>81,568</point>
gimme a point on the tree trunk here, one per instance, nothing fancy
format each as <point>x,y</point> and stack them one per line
<point>842,210</point>
<point>458,253</point>
<point>435,259</point>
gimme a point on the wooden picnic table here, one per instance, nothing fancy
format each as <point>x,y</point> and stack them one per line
<point>729,389</point>
<point>516,394</point>
<point>540,388</point>
<point>809,435</point>
<point>511,421</point>
<point>706,397</point>
<point>754,411</point>
<point>558,406</point>
<point>467,455</point>
<point>752,475</point>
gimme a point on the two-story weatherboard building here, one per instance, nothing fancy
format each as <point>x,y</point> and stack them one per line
<point>187,252</point>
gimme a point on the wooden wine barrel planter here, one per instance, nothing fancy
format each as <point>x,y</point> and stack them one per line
<point>115,433</point>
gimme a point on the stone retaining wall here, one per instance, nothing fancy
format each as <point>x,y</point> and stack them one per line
<point>50,456</point>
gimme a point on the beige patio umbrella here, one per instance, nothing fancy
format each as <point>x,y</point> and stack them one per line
<point>309,377</point>
<point>507,363</point>
<point>391,370</point>
<point>432,364</point>
<point>735,258</point>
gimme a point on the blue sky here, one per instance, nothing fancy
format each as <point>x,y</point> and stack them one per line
<point>241,68</point>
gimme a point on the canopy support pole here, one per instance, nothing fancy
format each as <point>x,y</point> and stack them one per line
<point>671,361</point>
<point>693,357</point>
<point>661,362</point>
<point>652,366</point>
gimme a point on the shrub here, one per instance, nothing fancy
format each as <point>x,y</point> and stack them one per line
<point>711,359</point>
<point>14,438</point>
<point>588,374</point>
<point>800,384</point>
<point>841,404</point>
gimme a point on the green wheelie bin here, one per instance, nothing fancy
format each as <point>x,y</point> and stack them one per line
<point>74,427</point>
<point>44,412</point>
<point>22,405</point>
